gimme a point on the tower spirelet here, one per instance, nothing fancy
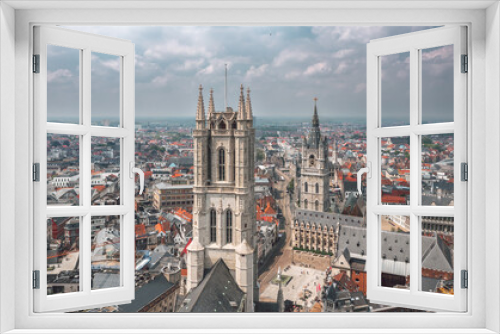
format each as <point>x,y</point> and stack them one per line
<point>211,105</point>
<point>200,115</point>
<point>241,109</point>
<point>315,120</point>
<point>249,105</point>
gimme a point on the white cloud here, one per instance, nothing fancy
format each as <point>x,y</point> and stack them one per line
<point>172,47</point>
<point>343,53</point>
<point>287,56</point>
<point>292,75</point>
<point>318,68</point>
<point>160,80</point>
<point>113,64</point>
<point>342,67</point>
<point>59,76</point>
<point>256,71</point>
<point>361,87</point>
<point>191,64</point>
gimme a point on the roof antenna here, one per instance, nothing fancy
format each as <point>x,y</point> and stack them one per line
<point>225,89</point>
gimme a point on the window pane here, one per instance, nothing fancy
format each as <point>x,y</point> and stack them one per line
<point>437,84</point>
<point>105,249</point>
<point>63,84</point>
<point>437,254</point>
<point>395,89</point>
<point>395,251</point>
<point>395,168</point>
<point>63,169</point>
<point>63,238</point>
<point>105,89</point>
<point>438,170</point>
<point>105,179</point>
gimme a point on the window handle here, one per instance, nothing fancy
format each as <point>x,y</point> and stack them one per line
<point>368,171</point>
<point>134,170</point>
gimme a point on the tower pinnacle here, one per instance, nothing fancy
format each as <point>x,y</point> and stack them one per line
<point>249,105</point>
<point>200,114</point>
<point>315,120</point>
<point>211,105</point>
<point>241,108</point>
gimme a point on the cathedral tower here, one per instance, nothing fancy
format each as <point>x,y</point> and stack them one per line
<point>224,209</point>
<point>314,172</point>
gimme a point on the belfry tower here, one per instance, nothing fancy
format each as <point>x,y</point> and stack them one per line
<point>224,205</point>
<point>314,194</point>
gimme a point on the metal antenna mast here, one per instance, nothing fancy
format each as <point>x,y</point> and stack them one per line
<point>225,88</point>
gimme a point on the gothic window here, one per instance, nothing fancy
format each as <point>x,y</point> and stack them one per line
<point>222,165</point>
<point>229,226</point>
<point>209,163</point>
<point>305,202</point>
<point>305,187</point>
<point>317,188</point>
<point>222,125</point>
<point>316,205</point>
<point>311,160</point>
<point>234,125</point>
<point>213,226</point>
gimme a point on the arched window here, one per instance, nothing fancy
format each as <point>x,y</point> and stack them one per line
<point>222,165</point>
<point>209,165</point>
<point>222,125</point>
<point>305,203</point>
<point>311,160</point>
<point>229,226</point>
<point>305,187</point>
<point>213,226</point>
<point>316,205</point>
<point>317,188</point>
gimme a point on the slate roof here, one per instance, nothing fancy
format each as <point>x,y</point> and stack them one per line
<point>146,294</point>
<point>105,280</point>
<point>396,250</point>
<point>218,292</point>
<point>434,200</point>
<point>326,219</point>
<point>437,256</point>
<point>158,253</point>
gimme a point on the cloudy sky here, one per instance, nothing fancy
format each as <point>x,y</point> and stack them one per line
<point>285,67</point>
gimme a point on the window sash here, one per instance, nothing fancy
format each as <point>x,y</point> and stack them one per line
<point>85,297</point>
<point>412,43</point>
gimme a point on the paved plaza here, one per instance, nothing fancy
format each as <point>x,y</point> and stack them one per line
<point>307,278</point>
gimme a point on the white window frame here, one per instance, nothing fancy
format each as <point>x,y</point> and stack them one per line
<point>413,43</point>
<point>16,104</point>
<point>85,43</point>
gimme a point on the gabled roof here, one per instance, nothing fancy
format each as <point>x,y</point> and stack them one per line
<point>438,256</point>
<point>218,292</point>
<point>146,294</point>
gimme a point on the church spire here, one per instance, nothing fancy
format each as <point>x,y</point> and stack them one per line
<point>211,105</point>
<point>249,105</point>
<point>315,120</point>
<point>200,115</point>
<point>241,108</point>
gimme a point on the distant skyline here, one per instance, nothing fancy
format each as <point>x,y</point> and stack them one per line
<point>285,68</point>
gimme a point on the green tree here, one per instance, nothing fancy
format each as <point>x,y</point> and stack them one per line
<point>260,155</point>
<point>426,140</point>
<point>291,185</point>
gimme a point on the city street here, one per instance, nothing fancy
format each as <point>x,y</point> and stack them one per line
<point>283,256</point>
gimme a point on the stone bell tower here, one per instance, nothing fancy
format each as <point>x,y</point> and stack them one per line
<point>315,176</point>
<point>224,205</point>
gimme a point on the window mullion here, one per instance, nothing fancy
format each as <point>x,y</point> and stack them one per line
<point>86,173</point>
<point>414,167</point>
